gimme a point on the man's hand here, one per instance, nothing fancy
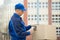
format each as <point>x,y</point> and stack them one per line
<point>31,30</point>
<point>34,27</point>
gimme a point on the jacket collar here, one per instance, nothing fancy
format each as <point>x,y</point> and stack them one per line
<point>16,15</point>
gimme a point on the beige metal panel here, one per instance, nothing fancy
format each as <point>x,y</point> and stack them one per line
<point>45,32</point>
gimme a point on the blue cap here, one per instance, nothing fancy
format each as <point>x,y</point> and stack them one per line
<point>20,7</point>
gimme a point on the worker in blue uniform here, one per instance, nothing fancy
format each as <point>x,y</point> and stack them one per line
<point>17,28</point>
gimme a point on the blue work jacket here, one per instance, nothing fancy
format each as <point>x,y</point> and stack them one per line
<point>17,28</point>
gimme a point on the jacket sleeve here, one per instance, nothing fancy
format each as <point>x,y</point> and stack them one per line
<point>28,27</point>
<point>18,28</point>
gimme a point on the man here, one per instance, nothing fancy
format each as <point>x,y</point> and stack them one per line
<point>17,28</point>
